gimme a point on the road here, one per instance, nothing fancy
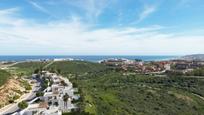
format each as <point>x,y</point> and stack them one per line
<point>48,64</point>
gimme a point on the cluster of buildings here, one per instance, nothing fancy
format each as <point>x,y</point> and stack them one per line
<point>56,98</point>
<point>137,65</point>
<point>148,67</point>
<point>186,65</point>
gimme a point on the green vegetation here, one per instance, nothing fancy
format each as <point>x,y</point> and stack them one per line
<point>12,99</point>
<point>197,72</point>
<point>44,83</point>
<point>114,93</point>
<point>105,91</point>
<point>75,67</point>
<point>108,92</point>
<point>66,97</point>
<point>15,97</point>
<point>27,68</point>
<point>26,85</point>
<point>39,93</point>
<point>4,76</point>
<point>23,105</point>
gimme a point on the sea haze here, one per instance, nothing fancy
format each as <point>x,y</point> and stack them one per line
<point>86,58</point>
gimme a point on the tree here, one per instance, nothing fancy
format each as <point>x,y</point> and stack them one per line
<point>23,105</point>
<point>28,87</point>
<point>39,94</point>
<point>58,71</point>
<point>36,71</point>
<point>74,84</point>
<point>65,99</point>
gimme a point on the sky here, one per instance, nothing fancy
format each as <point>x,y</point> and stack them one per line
<point>101,27</point>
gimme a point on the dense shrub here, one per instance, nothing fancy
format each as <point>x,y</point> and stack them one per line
<point>23,105</point>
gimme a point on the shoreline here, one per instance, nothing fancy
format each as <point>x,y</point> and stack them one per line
<point>83,58</point>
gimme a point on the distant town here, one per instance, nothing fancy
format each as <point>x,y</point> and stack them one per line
<point>155,67</point>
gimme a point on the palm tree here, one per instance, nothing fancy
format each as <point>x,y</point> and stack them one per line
<point>65,99</point>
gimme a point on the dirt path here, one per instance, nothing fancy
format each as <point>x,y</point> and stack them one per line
<point>48,64</point>
<point>198,96</point>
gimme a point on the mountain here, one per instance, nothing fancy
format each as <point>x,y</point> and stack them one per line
<point>194,57</point>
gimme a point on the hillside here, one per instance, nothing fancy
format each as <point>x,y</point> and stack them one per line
<point>109,92</point>
<point>75,67</point>
<point>4,76</point>
<point>11,88</point>
<point>28,68</point>
<point>10,91</point>
<point>113,93</point>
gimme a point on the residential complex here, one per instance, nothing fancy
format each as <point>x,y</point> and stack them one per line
<point>56,99</point>
<point>148,67</point>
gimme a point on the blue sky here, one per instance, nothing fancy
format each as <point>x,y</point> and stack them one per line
<point>101,27</point>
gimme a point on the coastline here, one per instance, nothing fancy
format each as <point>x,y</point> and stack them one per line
<point>86,58</point>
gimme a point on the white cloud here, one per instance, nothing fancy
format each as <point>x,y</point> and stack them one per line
<point>39,7</point>
<point>8,11</point>
<point>75,37</point>
<point>8,17</point>
<point>148,10</point>
<point>91,8</point>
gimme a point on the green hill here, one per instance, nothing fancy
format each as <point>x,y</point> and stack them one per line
<point>4,76</point>
<point>113,93</point>
<point>76,67</point>
<point>28,68</point>
<point>109,92</point>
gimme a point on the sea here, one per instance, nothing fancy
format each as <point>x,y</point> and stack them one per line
<point>86,58</point>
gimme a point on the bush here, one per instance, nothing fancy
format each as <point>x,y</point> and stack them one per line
<point>11,101</point>
<point>16,97</point>
<point>198,72</point>
<point>28,87</point>
<point>39,94</point>
<point>23,105</point>
<point>44,85</point>
<point>36,71</point>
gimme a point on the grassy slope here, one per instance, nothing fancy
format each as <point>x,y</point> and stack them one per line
<point>4,76</point>
<point>76,67</point>
<point>113,93</point>
<point>108,93</point>
<point>28,68</point>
